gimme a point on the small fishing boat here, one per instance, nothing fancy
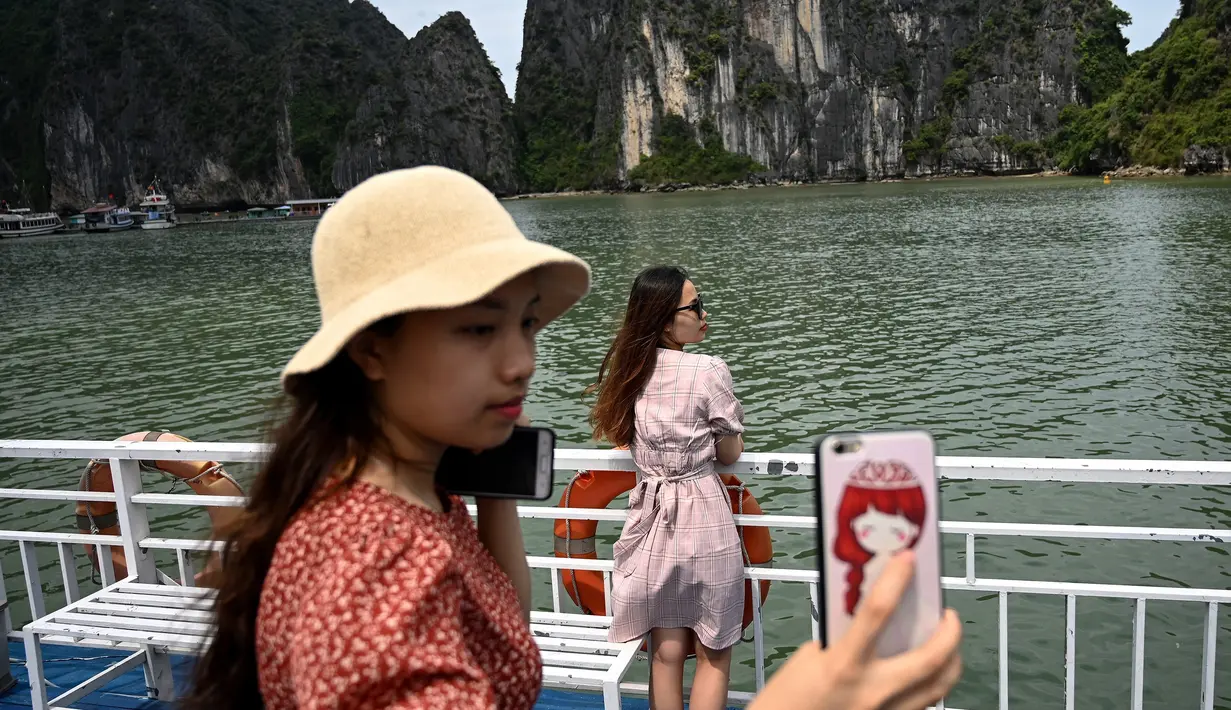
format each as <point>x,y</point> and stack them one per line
<point>106,217</point>
<point>157,208</point>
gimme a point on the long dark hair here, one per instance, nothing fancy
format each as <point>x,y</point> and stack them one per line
<point>626,369</point>
<point>333,421</point>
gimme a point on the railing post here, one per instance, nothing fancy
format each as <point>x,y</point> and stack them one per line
<point>758,635</point>
<point>1207,657</point>
<point>187,574</point>
<point>1139,650</point>
<point>1070,652</point>
<point>134,521</point>
<point>6,671</point>
<point>970,558</point>
<point>68,570</point>
<point>1003,617</point>
<point>4,604</point>
<point>135,527</point>
<point>34,579</point>
<point>106,569</point>
<point>815,611</point>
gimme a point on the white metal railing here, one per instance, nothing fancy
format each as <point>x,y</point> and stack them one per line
<point>139,543</point>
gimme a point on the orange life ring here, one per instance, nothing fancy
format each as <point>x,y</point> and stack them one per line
<point>203,477</point>
<point>596,489</point>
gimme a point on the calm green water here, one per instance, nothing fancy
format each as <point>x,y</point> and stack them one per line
<point>1016,317</point>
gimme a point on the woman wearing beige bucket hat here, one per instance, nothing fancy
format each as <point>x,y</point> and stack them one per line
<point>350,580</point>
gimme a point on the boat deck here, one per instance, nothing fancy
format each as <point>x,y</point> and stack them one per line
<point>67,666</point>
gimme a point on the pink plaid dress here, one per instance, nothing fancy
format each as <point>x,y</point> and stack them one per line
<point>679,562</point>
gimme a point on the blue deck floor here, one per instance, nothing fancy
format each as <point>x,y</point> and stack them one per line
<point>66,667</point>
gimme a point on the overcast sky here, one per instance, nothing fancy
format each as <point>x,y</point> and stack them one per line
<point>498,23</point>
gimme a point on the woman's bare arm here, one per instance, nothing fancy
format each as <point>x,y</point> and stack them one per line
<point>500,533</point>
<point>729,448</point>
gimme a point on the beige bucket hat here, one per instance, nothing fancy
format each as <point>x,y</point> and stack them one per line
<point>422,239</point>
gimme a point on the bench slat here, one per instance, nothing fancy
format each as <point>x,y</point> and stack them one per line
<point>574,675</point>
<point>558,659</point>
<point>154,600</point>
<point>568,632</point>
<point>167,590</point>
<point>176,641</point>
<point>579,645</point>
<point>187,628</point>
<point>147,612</point>
<point>548,617</point>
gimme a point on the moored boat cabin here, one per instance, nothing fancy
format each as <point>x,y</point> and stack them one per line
<point>310,209</point>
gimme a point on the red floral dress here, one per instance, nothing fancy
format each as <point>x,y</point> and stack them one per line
<point>372,602</point>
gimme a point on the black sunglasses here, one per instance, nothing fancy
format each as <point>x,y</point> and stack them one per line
<point>696,306</point>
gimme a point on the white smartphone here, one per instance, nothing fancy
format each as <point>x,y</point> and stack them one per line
<point>522,468</point>
<point>878,494</point>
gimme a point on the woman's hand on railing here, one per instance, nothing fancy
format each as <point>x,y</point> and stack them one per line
<point>848,675</point>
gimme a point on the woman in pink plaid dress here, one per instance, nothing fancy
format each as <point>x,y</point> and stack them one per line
<point>679,565</point>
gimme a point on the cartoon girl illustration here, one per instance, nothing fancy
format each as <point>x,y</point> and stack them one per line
<point>881,513</point>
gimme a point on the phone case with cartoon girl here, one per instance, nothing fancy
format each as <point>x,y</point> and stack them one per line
<point>877,494</point>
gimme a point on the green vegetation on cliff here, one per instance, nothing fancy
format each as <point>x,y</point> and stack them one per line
<point>561,147</point>
<point>706,30</point>
<point>678,158</point>
<point>1177,96</point>
<point>1103,53</point>
<point>564,141</point>
<point>1102,63</point>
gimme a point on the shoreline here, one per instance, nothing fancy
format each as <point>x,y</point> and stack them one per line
<point>1135,172</point>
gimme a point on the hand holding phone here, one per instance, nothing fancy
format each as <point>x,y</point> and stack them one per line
<point>877,495</point>
<point>521,468</point>
<point>847,674</point>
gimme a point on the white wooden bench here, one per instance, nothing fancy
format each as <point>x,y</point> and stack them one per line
<point>155,620</point>
<point>577,655</point>
<point>151,620</point>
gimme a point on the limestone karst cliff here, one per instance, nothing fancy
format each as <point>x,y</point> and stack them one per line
<point>263,101</point>
<point>812,89</point>
<point>259,100</point>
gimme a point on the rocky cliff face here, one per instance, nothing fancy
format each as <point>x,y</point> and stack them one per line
<point>449,107</point>
<point>260,101</point>
<point>812,89</point>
